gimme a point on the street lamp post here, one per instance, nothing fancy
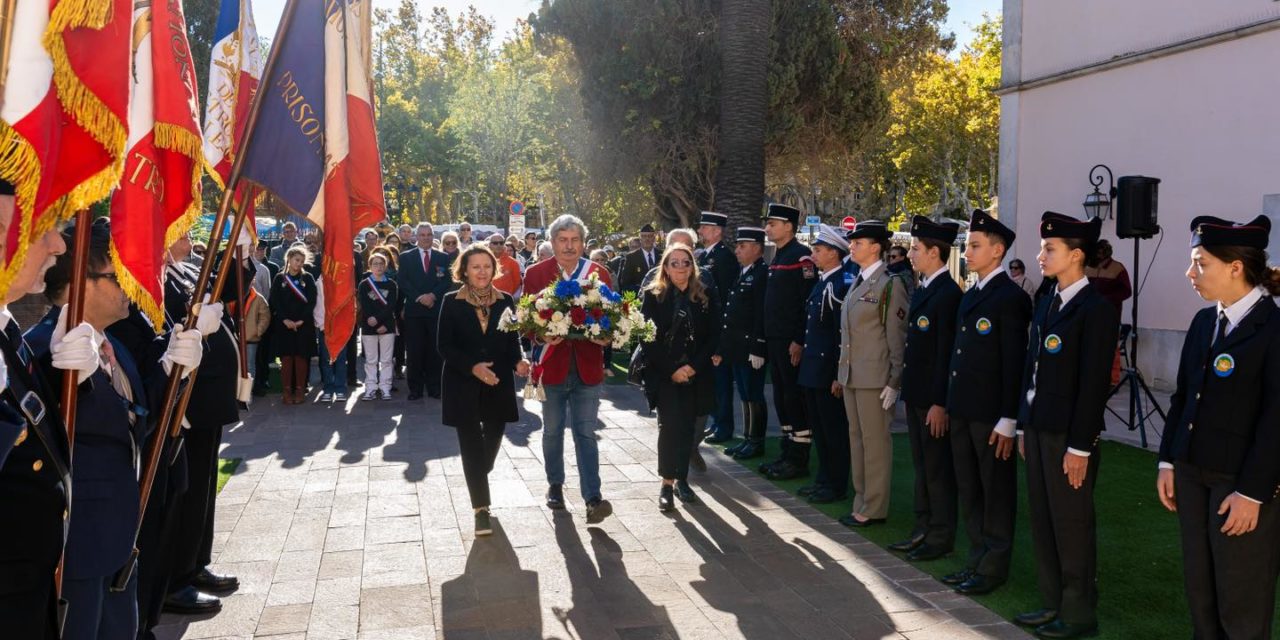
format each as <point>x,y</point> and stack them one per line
<point>1098,204</point>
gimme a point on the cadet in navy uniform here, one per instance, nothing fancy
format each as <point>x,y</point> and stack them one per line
<point>717,260</point>
<point>35,478</point>
<point>791,278</point>
<point>110,430</point>
<point>818,370</point>
<point>1220,455</point>
<point>742,345</point>
<point>982,405</point>
<point>931,334</point>
<point>1065,384</point>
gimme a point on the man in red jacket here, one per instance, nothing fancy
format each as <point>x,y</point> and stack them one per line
<point>571,374</point>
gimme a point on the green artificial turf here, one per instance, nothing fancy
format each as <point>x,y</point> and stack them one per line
<point>225,469</point>
<point>1139,570</point>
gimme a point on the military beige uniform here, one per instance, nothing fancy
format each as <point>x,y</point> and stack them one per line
<point>873,335</point>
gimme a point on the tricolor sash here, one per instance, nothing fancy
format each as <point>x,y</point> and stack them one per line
<point>297,291</point>
<point>376,291</point>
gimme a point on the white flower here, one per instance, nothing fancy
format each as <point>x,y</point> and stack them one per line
<point>557,317</point>
<point>579,300</point>
<point>593,296</point>
<point>595,329</point>
<point>540,321</point>
<point>541,304</point>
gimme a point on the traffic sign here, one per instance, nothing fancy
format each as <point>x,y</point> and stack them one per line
<point>515,224</point>
<point>517,208</point>
<point>848,223</point>
<point>812,221</point>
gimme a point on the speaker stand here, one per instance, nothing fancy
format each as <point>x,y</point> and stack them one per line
<point>1131,377</point>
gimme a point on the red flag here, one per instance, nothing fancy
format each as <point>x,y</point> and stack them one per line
<point>62,124</point>
<point>159,195</point>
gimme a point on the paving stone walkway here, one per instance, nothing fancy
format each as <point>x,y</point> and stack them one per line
<point>354,523</point>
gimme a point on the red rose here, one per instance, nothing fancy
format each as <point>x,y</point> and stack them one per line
<point>626,308</point>
<point>597,313</point>
<point>546,313</point>
<point>577,315</point>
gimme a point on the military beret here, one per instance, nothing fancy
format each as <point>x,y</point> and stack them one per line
<point>982,221</point>
<point>1210,231</point>
<point>1057,225</point>
<point>717,219</point>
<point>923,227</point>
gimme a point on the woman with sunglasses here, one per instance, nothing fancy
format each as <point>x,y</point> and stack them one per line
<point>1018,273</point>
<point>678,369</point>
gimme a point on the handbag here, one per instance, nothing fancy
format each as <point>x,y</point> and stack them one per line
<point>639,365</point>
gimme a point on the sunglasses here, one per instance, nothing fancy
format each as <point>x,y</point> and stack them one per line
<point>451,242</point>
<point>113,276</point>
<point>679,264</point>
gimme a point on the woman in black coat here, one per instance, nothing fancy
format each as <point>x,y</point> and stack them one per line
<point>293,329</point>
<point>478,389</point>
<point>678,364</point>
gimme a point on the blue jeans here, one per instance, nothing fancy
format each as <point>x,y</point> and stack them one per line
<point>333,377</point>
<point>750,382</point>
<point>583,401</point>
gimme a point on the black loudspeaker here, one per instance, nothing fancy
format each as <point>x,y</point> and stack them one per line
<point>1136,203</point>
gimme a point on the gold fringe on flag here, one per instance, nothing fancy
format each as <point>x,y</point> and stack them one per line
<point>19,166</point>
<point>174,138</point>
<point>136,292</point>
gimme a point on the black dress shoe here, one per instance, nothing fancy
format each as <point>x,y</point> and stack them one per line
<point>414,396</point>
<point>555,496</point>
<point>927,552</point>
<point>729,451</point>
<point>807,490</point>
<point>910,544</point>
<point>749,450</point>
<point>717,438</point>
<point>826,495</point>
<point>958,578</point>
<point>850,521</point>
<point>1060,629</point>
<point>979,585</point>
<point>1037,618</point>
<point>598,510</point>
<point>666,499</point>
<point>212,582</point>
<point>685,492</point>
<point>190,601</point>
<point>787,471</point>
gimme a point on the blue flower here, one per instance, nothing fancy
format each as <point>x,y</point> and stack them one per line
<point>604,323</point>
<point>589,321</point>
<point>568,289</point>
<point>609,294</point>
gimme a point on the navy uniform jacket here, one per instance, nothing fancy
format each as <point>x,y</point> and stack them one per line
<point>742,334</point>
<point>723,267</point>
<point>931,336</point>
<point>34,484</point>
<point>104,506</point>
<point>821,355</point>
<point>416,279</point>
<point>1225,414</point>
<point>990,351</point>
<point>1070,357</point>
<point>213,401</point>
<point>791,278</point>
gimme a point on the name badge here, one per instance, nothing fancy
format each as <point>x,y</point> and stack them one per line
<point>1224,365</point>
<point>983,326</point>
<point>868,297</point>
<point>1053,343</point>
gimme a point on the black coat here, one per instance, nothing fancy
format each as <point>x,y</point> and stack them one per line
<point>990,351</point>
<point>691,341</point>
<point>791,278</point>
<point>416,279</point>
<point>465,399</point>
<point>384,308</point>
<point>634,269</point>
<point>931,336</point>
<point>1236,416</point>
<point>1072,382</point>
<point>723,266</point>
<point>286,305</point>
<point>742,329</point>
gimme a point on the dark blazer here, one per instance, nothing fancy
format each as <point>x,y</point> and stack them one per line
<point>1236,416</point>
<point>931,336</point>
<point>742,331</point>
<point>213,401</point>
<point>820,357</point>
<point>415,281</point>
<point>723,266</point>
<point>986,368</point>
<point>791,278</point>
<point>634,269</point>
<point>1071,384</point>
<point>383,309</point>
<point>466,400</point>
<point>691,342</point>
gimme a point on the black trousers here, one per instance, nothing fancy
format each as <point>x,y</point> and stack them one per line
<point>155,540</point>
<point>351,359</point>
<point>31,611</point>
<point>193,544</point>
<point>262,361</point>
<point>677,421</point>
<point>422,358</point>
<point>830,438</point>
<point>479,444</point>
<point>1230,580</point>
<point>788,403</point>
<point>1063,529</point>
<point>988,491</point>
<point>935,489</point>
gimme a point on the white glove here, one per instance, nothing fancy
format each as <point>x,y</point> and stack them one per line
<point>77,350</point>
<point>184,350</point>
<point>756,361</point>
<point>4,375</point>
<point>890,397</point>
<point>208,317</point>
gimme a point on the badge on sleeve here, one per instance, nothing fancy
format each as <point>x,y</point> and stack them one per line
<point>983,326</point>
<point>1224,365</point>
<point>1052,343</point>
<point>922,323</point>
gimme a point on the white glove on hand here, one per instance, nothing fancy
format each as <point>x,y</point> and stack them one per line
<point>184,350</point>
<point>208,317</point>
<point>890,397</point>
<point>4,375</point>
<point>756,361</point>
<point>77,350</point>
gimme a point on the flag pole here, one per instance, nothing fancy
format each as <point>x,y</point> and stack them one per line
<point>70,377</point>
<point>7,10</point>
<point>170,422</point>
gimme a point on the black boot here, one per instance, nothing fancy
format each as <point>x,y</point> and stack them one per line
<point>746,423</point>
<point>755,422</point>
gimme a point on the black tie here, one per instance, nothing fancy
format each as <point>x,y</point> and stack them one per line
<point>1054,308</point>
<point>858,281</point>
<point>1222,330</point>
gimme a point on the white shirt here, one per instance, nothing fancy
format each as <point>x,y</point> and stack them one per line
<point>1066,295</point>
<point>983,282</point>
<point>866,274</point>
<point>839,267</point>
<point>928,280</point>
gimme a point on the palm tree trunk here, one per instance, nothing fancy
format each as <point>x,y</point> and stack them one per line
<point>744,109</point>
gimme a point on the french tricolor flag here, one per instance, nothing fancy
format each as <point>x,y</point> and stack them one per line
<point>235,68</point>
<point>314,144</point>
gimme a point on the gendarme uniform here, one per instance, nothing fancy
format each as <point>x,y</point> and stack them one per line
<point>818,365</point>
<point>1222,438</point>
<point>1065,382</point>
<point>982,396</point>
<point>931,334</point>
<point>742,337</point>
<point>720,266</point>
<point>791,278</point>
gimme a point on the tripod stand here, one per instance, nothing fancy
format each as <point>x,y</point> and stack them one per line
<point>1131,378</point>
